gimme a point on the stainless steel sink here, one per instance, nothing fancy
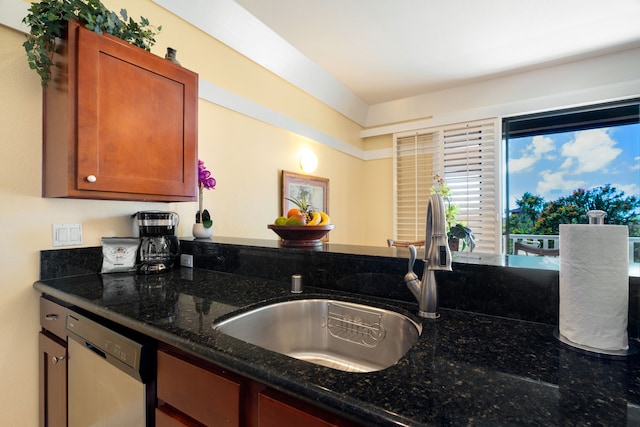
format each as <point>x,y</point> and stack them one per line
<point>341,335</point>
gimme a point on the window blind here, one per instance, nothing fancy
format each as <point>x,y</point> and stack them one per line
<point>466,155</point>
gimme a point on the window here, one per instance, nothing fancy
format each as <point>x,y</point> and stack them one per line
<point>466,155</point>
<point>561,164</point>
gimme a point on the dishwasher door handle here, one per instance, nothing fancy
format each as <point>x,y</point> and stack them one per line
<point>95,349</point>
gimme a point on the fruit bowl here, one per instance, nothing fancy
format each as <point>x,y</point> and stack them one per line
<point>301,235</point>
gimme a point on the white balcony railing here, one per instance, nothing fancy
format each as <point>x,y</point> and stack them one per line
<point>552,242</point>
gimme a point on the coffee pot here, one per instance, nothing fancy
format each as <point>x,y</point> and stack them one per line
<point>159,246</point>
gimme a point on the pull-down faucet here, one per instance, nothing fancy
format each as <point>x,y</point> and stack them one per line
<point>437,256</point>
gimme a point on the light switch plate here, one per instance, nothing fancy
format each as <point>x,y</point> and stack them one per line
<point>186,260</point>
<point>67,234</point>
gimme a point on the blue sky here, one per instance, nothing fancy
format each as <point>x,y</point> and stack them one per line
<point>554,165</point>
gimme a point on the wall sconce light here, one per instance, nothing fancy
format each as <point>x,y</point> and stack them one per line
<point>308,161</point>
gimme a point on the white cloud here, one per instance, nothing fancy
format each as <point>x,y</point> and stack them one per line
<point>541,146</point>
<point>567,163</point>
<point>522,164</point>
<point>592,150</point>
<point>637,165</point>
<point>629,189</point>
<point>554,184</point>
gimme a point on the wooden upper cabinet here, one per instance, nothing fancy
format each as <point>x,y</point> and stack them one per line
<point>119,122</point>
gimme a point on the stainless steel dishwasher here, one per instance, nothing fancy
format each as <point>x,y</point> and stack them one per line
<point>111,375</point>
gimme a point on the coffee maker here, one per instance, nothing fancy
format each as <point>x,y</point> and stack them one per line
<point>159,247</point>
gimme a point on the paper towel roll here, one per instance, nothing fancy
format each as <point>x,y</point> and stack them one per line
<point>594,285</point>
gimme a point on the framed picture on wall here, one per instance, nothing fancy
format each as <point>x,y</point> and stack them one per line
<point>298,186</point>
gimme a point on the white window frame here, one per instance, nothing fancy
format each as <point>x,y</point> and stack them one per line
<point>467,155</point>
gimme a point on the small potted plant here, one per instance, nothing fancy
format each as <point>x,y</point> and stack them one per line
<point>456,231</point>
<point>203,228</point>
<point>48,21</point>
<point>459,233</point>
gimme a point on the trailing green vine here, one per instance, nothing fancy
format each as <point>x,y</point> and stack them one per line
<point>48,20</point>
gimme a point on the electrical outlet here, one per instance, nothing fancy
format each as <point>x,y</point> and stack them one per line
<point>186,260</point>
<point>67,234</point>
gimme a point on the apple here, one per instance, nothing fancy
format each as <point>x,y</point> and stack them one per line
<point>280,220</point>
<point>296,220</point>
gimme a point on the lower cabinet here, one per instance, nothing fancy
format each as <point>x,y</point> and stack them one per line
<point>196,393</point>
<point>191,395</point>
<point>276,410</point>
<point>53,365</point>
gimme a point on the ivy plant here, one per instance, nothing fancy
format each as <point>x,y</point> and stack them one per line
<point>48,20</point>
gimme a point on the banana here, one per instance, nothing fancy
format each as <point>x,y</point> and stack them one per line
<point>324,218</point>
<point>315,218</point>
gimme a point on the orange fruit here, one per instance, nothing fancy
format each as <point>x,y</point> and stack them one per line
<point>292,212</point>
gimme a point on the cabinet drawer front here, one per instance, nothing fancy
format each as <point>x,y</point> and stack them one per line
<point>207,397</point>
<point>274,408</point>
<point>166,417</point>
<point>52,318</point>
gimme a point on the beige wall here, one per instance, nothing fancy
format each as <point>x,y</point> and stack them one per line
<point>244,154</point>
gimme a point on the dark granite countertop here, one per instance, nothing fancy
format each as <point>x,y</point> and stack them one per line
<point>467,368</point>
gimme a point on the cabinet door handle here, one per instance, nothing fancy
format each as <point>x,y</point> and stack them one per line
<point>92,178</point>
<point>51,317</point>
<point>56,359</point>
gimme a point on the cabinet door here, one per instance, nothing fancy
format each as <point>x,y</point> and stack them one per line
<point>200,394</point>
<point>137,120</point>
<point>278,410</point>
<point>53,382</point>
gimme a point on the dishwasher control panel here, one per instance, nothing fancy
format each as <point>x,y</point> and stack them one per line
<point>115,348</point>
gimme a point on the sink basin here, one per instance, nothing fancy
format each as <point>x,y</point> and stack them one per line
<point>340,335</point>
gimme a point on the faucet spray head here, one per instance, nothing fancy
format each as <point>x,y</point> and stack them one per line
<point>439,255</point>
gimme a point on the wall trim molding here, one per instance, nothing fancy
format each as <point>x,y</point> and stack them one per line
<point>12,12</point>
<point>232,101</point>
<point>379,154</point>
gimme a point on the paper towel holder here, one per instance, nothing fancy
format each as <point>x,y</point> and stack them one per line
<point>595,352</point>
<point>596,216</point>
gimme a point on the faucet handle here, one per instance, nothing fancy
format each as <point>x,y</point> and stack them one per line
<point>412,259</point>
<point>413,254</point>
<point>411,279</point>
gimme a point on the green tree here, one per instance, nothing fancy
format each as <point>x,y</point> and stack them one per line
<point>529,209</point>
<point>573,209</point>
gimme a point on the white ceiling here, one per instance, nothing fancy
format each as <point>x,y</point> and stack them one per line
<point>384,50</point>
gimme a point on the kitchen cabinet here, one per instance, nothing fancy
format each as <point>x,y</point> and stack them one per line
<point>119,122</point>
<point>53,365</point>
<point>192,395</point>
<point>274,407</point>
<point>193,392</point>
